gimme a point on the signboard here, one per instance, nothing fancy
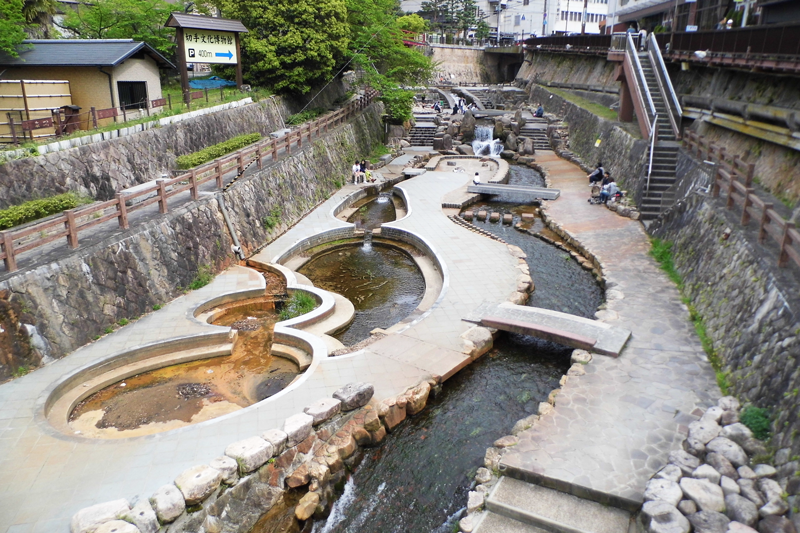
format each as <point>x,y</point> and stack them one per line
<point>691,28</point>
<point>207,46</point>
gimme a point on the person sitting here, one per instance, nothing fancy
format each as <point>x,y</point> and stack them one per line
<point>597,175</point>
<point>477,179</point>
<point>356,172</point>
<point>437,107</point>
<point>607,178</point>
<point>539,112</point>
<point>610,190</point>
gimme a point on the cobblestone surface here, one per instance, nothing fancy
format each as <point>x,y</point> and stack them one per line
<point>614,427</point>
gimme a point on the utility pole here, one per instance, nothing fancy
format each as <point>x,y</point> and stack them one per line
<point>566,20</point>
<point>583,17</point>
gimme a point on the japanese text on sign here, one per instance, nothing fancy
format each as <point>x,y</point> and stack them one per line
<point>203,46</point>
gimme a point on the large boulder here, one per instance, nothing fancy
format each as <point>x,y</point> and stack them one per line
<point>197,483</point>
<point>168,503</point>
<point>706,495</point>
<point>143,517</point>
<point>686,462</point>
<point>323,410</point>
<point>465,149</point>
<point>498,129</point>
<point>663,489</point>
<point>511,142</point>
<point>729,450</point>
<point>519,118</point>
<point>738,433</point>
<point>704,430</point>
<point>87,520</point>
<point>709,522</point>
<point>251,453</point>
<point>740,509</point>
<point>660,517</point>
<point>447,142</point>
<point>722,465</point>
<point>468,126</point>
<point>117,526</point>
<point>527,147</point>
<point>354,395</point>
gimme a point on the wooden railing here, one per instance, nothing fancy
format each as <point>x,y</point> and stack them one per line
<point>70,223</point>
<point>734,178</point>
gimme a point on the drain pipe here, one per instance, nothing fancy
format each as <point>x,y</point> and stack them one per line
<point>237,248</point>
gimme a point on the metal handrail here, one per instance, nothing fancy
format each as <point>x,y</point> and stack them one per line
<point>668,91</point>
<point>653,135</point>
<point>641,81</point>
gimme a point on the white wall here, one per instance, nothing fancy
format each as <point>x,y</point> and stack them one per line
<point>145,70</point>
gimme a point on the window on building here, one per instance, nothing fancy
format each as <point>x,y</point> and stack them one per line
<point>526,2</point>
<point>132,94</point>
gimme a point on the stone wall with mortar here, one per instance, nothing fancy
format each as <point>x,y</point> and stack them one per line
<point>459,64</point>
<point>124,276</point>
<point>751,308</point>
<point>102,168</point>
<point>622,154</point>
<point>567,68</point>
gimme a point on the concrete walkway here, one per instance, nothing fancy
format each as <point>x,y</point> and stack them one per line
<point>615,426</point>
<point>45,476</point>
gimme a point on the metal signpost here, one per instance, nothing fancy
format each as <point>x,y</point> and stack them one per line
<point>204,39</point>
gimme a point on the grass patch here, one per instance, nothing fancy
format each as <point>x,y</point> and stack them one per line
<point>592,107</point>
<point>41,208</point>
<point>270,221</point>
<point>299,304</point>
<point>661,251</point>
<point>305,116</point>
<point>218,150</point>
<point>757,419</point>
<point>20,371</point>
<point>202,278</point>
<point>156,307</point>
<point>377,152</point>
<point>123,322</point>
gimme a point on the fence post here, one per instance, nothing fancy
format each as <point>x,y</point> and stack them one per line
<point>162,196</point>
<point>258,157</point>
<point>274,149</point>
<point>218,170</point>
<point>300,137</point>
<point>122,211</point>
<point>289,144</point>
<point>748,201</point>
<point>8,245</point>
<point>169,101</point>
<point>193,187</point>
<point>221,95</point>
<point>751,167</point>
<point>124,114</point>
<point>205,90</point>
<point>239,163</point>
<point>93,111</point>
<point>762,233</point>
<point>13,129</point>
<point>72,230</point>
<point>57,121</point>
<point>783,258</point>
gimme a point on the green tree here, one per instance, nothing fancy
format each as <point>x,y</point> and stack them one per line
<point>412,23</point>
<point>11,26</point>
<point>39,17</point>
<point>140,20</point>
<point>293,45</point>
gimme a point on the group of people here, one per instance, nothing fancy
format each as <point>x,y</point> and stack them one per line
<point>602,179</point>
<point>362,172</point>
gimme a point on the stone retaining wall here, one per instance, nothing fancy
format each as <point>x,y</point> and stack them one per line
<point>567,68</point>
<point>623,155</point>
<point>99,169</point>
<point>78,297</point>
<point>751,308</point>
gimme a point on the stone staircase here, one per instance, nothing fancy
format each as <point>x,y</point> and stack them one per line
<point>484,96</point>
<point>665,152</point>
<point>536,129</point>
<point>422,133</point>
<point>520,507</point>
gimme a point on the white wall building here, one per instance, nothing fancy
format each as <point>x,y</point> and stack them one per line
<point>570,15</point>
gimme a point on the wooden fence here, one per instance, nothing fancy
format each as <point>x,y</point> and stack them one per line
<point>734,179</point>
<point>70,223</point>
<point>30,101</point>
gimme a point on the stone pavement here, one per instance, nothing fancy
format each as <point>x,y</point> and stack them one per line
<point>612,428</point>
<point>45,476</point>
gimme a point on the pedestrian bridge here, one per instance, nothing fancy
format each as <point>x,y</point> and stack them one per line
<point>522,191</point>
<point>562,328</point>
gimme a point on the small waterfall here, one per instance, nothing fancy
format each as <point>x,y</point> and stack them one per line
<point>384,197</point>
<point>484,144</point>
<point>367,246</point>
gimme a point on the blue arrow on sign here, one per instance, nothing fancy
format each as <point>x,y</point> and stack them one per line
<point>229,55</point>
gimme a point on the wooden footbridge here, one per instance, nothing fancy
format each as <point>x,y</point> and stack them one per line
<point>563,328</point>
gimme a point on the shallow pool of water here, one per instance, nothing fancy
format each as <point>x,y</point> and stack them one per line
<point>383,282</point>
<point>373,211</point>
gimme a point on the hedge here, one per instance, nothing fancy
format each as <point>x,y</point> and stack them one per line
<point>36,209</point>
<point>218,150</point>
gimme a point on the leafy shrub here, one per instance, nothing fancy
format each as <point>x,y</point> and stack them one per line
<point>36,209</point>
<point>202,278</point>
<point>305,116</point>
<point>273,219</point>
<point>299,304</point>
<point>218,150</point>
<point>757,419</point>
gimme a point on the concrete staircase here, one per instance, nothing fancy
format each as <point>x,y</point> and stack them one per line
<point>483,96</point>
<point>520,507</point>
<point>536,129</point>
<point>422,133</point>
<point>665,152</point>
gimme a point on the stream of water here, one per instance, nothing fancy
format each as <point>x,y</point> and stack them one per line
<point>418,480</point>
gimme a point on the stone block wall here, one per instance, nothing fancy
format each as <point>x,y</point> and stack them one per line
<point>568,68</point>
<point>751,307</point>
<point>76,298</point>
<point>622,154</point>
<point>100,169</point>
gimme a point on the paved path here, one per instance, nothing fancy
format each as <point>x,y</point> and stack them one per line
<point>614,427</point>
<point>45,477</point>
